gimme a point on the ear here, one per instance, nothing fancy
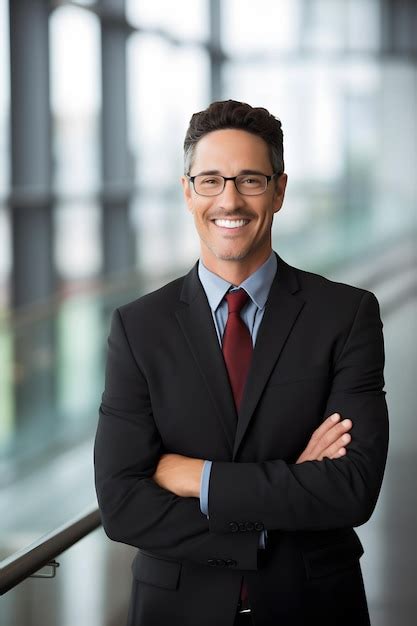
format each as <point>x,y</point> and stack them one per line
<point>186,188</point>
<point>279,192</point>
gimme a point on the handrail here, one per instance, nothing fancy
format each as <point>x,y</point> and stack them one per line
<point>29,560</point>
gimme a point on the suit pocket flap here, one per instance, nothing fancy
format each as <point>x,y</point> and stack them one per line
<point>333,557</point>
<point>154,570</point>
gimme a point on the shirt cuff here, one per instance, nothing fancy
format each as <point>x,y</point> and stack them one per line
<point>204,487</point>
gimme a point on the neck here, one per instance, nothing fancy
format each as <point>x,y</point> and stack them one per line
<point>234,271</point>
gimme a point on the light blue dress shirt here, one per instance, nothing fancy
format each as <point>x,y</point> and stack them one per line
<point>257,286</point>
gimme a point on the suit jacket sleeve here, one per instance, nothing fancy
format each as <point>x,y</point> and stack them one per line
<point>134,509</point>
<point>331,493</point>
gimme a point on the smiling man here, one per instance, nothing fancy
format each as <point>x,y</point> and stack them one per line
<point>243,427</point>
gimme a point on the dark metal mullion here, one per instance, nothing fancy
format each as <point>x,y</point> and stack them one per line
<point>215,49</point>
<point>118,248</point>
<point>32,233</point>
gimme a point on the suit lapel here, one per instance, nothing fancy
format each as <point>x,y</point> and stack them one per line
<point>197,324</point>
<point>281,311</point>
<point>195,319</point>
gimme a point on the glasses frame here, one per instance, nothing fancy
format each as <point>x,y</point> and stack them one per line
<point>268,177</point>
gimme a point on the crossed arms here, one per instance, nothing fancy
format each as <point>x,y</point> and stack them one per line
<point>182,475</point>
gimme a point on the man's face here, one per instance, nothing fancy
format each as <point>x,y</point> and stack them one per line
<point>231,152</point>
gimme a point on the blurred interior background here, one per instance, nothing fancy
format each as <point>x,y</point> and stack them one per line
<point>95,99</point>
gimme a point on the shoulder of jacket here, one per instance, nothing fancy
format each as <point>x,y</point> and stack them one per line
<point>325,287</point>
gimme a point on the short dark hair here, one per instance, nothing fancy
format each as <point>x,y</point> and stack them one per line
<point>234,114</point>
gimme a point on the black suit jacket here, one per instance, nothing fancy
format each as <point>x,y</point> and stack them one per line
<point>319,350</point>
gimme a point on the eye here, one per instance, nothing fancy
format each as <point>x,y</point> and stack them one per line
<point>251,181</point>
<point>214,180</point>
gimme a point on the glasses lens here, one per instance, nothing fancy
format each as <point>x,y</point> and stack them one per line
<point>208,185</point>
<point>251,184</point>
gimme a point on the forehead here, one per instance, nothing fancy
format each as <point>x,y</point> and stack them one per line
<point>231,150</point>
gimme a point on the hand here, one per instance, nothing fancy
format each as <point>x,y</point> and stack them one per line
<point>179,474</point>
<point>329,440</point>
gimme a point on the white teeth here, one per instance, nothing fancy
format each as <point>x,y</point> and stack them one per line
<point>230,223</point>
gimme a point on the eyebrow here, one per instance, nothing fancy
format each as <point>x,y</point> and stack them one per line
<point>213,172</point>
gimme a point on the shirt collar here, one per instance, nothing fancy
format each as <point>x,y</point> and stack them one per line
<point>257,285</point>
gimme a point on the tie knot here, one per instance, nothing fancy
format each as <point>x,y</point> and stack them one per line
<point>236,300</point>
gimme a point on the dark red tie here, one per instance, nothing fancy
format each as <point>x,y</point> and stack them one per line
<point>237,351</point>
<point>237,344</point>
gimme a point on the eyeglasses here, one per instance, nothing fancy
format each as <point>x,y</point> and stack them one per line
<point>246,184</point>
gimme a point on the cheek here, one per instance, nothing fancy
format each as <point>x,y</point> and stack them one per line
<point>200,213</point>
<point>265,218</point>
<point>198,219</point>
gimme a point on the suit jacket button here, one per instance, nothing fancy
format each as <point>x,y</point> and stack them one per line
<point>231,563</point>
<point>242,526</point>
<point>250,525</point>
<point>233,527</point>
<point>259,526</point>
<point>220,563</point>
<point>212,562</point>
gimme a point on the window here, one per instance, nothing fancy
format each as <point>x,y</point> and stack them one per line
<point>160,107</point>
<point>75,103</point>
<point>188,19</point>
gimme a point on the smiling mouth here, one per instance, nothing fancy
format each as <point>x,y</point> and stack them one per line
<point>231,224</point>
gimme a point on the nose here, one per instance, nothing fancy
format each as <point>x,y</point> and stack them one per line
<point>230,197</point>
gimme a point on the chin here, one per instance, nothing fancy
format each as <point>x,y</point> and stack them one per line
<point>232,255</point>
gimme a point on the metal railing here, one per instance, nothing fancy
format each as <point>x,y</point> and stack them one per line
<point>29,560</point>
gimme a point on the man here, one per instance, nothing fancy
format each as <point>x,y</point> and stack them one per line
<point>221,450</point>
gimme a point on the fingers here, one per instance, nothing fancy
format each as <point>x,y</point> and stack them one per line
<point>337,448</point>
<point>329,440</point>
<point>325,427</point>
<point>333,437</point>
